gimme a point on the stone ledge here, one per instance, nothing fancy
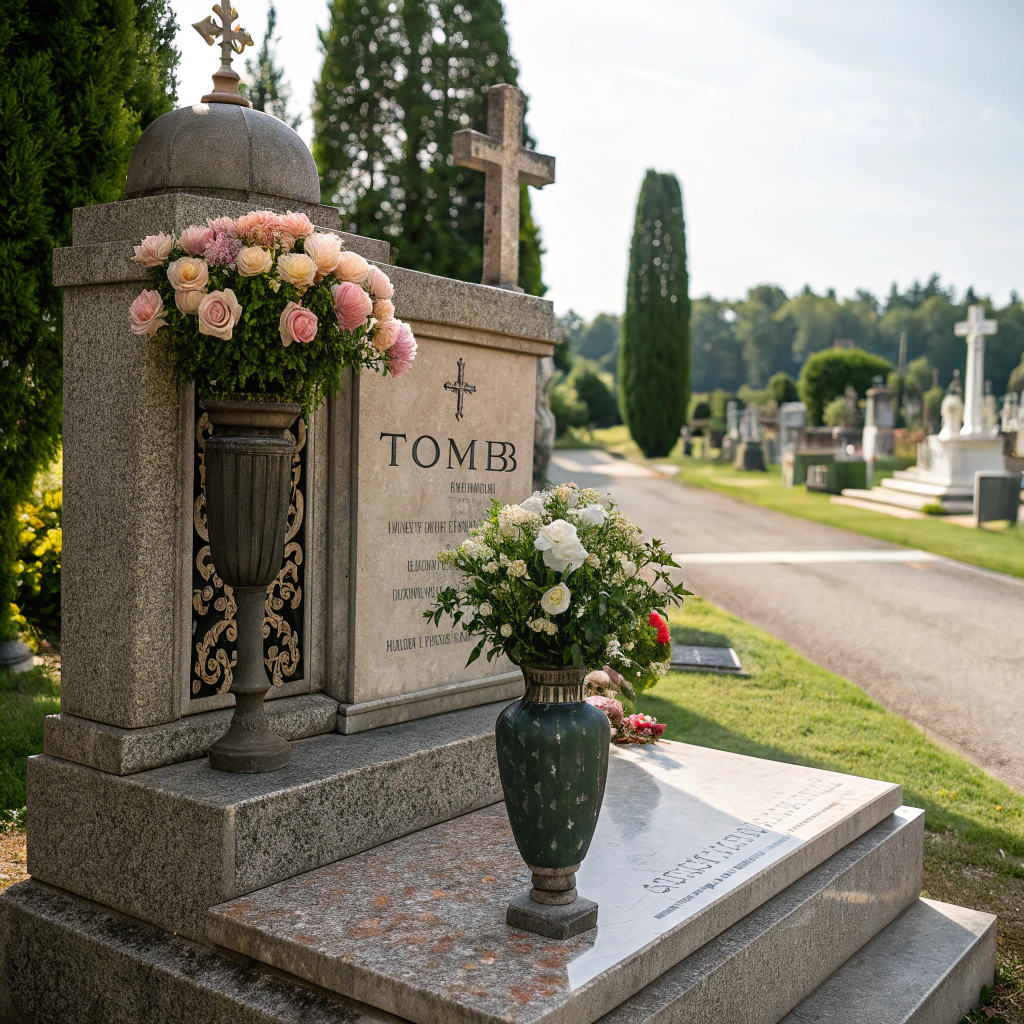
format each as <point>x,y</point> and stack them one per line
<point>167,844</point>
<point>408,707</point>
<point>128,751</point>
<point>133,219</point>
<point>68,960</point>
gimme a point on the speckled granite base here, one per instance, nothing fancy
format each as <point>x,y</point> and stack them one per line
<point>690,841</point>
<point>551,921</point>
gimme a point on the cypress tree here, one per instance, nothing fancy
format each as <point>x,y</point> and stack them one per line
<point>398,80</point>
<point>78,80</point>
<point>268,90</point>
<point>654,354</point>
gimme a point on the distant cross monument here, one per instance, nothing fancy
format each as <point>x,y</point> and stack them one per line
<point>461,388</point>
<point>974,328</point>
<point>506,162</point>
<point>232,40</point>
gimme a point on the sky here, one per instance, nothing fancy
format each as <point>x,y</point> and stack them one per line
<point>843,145</point>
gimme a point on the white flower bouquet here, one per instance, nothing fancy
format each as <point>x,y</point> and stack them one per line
<point>564,579</point>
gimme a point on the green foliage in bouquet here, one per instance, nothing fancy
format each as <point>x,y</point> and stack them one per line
<point>563,579</point>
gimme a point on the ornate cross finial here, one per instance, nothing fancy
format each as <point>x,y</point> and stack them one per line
<point>232,40</point>
<point>506,162</point>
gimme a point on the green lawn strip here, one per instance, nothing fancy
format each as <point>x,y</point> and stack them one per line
<point>792,710</point>
<point>999,549</point>
<point>25,699</point>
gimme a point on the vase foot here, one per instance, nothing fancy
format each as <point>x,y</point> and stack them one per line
<point>250,753</point>
<point>554,887</point>
<point>551,921</point>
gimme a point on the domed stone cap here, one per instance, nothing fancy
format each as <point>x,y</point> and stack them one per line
<point>222,149</point>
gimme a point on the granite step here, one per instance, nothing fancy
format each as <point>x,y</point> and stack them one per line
<point>927,967</point>
<point>763,966</point>
<point>165,845</point>
<point>690,841</point>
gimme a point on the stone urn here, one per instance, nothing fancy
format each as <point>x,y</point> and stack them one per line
<point>553,762</point>
<point>248,488</point>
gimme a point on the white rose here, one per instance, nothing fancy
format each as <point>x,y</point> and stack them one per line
<point>628,567</point>
<point>561,545</point>
<point>592,515</point>
<point>506,630</point>
<point>556,600</point>
<point>534,503</point>
<point>486,609</point>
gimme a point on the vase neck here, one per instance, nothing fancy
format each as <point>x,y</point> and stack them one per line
<point>554,685</point>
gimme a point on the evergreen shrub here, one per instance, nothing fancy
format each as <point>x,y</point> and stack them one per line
<point>825,375</point>
<point>654,352</point>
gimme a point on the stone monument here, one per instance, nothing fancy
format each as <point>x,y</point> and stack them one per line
<point>750,450</point>
<point>368,880</point>
<point>965,445</point>
<point>879,437</point>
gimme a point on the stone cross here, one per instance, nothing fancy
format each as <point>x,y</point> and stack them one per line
<point>974,328</point>
<point>506,162</point>
<point>461,388</point>
<point>232,40</point>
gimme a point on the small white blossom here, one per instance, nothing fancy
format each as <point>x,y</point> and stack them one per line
<point>550,628</point>
<point>594,561</point>
<point>491,567</point>
<point>506,630</point>
<point>537,625</point>
<point>591,515</point>
<point>517,568</point>
<point>486,609</point>
<point>534,503</point>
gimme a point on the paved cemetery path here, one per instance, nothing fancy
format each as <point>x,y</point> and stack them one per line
<point>937,641</point>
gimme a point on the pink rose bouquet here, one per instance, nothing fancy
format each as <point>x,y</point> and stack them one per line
<point>268,306</point>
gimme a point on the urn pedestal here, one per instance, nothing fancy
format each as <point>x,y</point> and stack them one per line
<point>553,761</point>
<point>248,487</point>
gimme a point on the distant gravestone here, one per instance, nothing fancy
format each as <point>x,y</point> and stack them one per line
<point>705,659</point>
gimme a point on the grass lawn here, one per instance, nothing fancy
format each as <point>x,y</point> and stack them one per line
<point>792,710</point>
<point>997,548</point>
<point>25,699</point>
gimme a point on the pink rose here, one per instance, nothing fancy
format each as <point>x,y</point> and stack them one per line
<point>383,309</point>
<point>611,707</point>
<point>218,314</point>
<point>194,239</point>
<point>385,334</point>
<point>189,302</point>
<point>379,283</point>
<point>352,267</point>
<point>324,250</point>
<point>352,305</point>
<point>297,324</point>
<point>403,352</point>
<point>146,313</point>
<point>154,250</point>
<point>294,226</point>
<point>261,227</point>
<point>188,274</point>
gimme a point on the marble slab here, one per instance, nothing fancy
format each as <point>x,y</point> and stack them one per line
<point>705,659</point>
<point>690,840</point>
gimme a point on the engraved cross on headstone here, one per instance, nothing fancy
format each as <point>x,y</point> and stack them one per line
<point>974,328</point>
<point>232,40</point>
<point>461,388</point>
<point>502,157</point>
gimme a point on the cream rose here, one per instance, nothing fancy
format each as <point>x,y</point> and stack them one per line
<point>352,267</point>
<point>253,260</point>
<point>324,250</point>
<point>188,274</point>
<point>154,250</point>
<point>383,309</point>
<point>556,600</point>
<point>188,302</point>
<point>385,334</point>
<point>592,515</point>
<point>218,314</point>
<point>296,268</point>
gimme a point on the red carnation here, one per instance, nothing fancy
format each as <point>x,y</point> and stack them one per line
<point>664,636</point>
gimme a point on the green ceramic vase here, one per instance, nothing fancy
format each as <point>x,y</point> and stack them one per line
<point>553,762</point>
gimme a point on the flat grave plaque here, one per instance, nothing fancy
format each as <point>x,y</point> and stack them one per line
<point>705,659</point>
<point>690,840</point>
